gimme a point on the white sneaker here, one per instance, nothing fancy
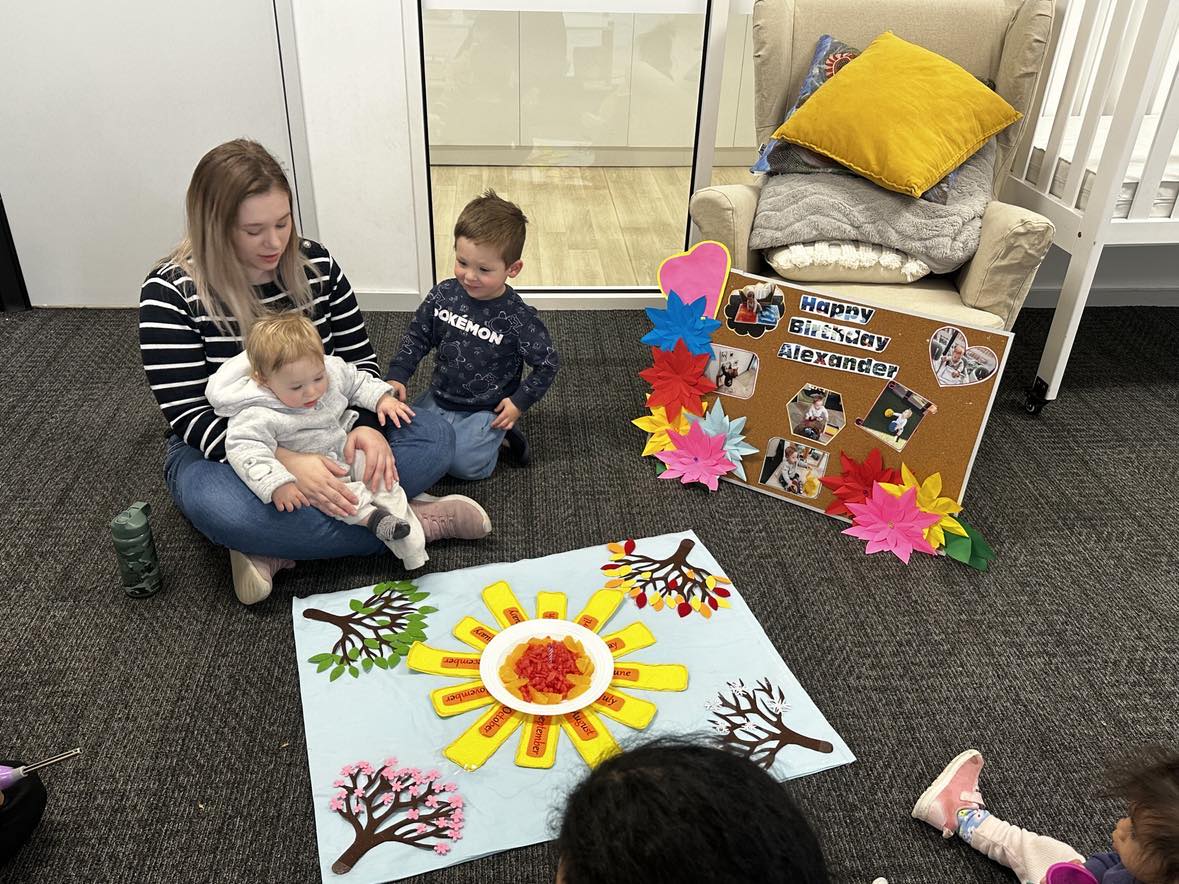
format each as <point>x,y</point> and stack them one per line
<point>253,576</point>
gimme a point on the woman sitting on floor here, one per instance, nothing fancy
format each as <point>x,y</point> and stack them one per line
<point>240,261</point>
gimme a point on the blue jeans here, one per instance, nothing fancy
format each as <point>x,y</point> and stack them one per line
<point>222,508</point>
<point>476,442</point>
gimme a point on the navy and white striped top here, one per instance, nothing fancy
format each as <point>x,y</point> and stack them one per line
<point>182,347</point>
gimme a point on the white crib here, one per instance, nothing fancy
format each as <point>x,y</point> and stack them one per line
<point>1098,153</point>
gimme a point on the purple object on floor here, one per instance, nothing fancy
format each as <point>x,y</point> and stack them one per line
<point>1069,873</point>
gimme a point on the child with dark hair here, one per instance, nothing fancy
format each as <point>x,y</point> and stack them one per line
<point>1146,842</point>
<point>647,814</point>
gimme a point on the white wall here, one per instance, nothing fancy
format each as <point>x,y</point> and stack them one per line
<point>355,103</point>
<point>106,110</point>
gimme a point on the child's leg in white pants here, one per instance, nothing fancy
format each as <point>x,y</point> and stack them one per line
<point>1027,854</point>
<point>411,548</point>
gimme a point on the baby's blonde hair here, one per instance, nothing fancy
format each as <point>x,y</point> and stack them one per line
<point>280,340</point>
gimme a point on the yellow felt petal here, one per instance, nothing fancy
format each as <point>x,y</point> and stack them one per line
<point>933,485</point>
<point>907,476</point>
<point>953,526</point>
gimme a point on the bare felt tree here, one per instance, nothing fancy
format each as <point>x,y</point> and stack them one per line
<point>395,804</point>
<point>673,583</point>
<point>377,631</point>
<point>752,723</point>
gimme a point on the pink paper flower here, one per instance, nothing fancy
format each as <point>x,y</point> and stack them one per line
<point>340,782</point>
<point>420,827</point>
<point>450,787</point>
<point>442,848</point>
<point>891,523</point>
<point>413,791</point>
<point>412,813</point>
<point>389,762</point>
<point>454,834</point>
<point>366,768</point>
<point>388,798</point>
<point>433,775</point>
<point>456,801</point>
<point>347,770</point>
<point>431,801</point>
<point>695,457</point>
<point>358,793</point>
<point>337,803</point>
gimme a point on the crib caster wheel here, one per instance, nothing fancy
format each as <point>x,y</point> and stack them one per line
<point>1037,397</point>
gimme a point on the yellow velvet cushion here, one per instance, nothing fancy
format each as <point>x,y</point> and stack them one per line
<point>899,115</point>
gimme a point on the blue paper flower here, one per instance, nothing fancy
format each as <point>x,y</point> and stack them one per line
<point>717,423</point>
<point>681,321</point>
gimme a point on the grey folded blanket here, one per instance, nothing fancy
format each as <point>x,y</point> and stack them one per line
<point>807,208</point>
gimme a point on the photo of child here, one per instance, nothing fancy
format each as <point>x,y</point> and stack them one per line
<point>955,362</point>
<point>793,468</point>
<point>816,413</point>
<point>733,371</point>
<point>755,309</point>
<point>895,415</point>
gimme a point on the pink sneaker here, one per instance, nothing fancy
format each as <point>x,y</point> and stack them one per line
<point>253,576</point>
<point>955,788</point>
<point>451,516</point>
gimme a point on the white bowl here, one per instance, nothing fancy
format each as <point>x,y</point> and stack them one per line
<point>505,642</point>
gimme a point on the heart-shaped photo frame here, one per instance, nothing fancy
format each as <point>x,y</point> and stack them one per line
<point>700,272</point>
<point>957,363</point>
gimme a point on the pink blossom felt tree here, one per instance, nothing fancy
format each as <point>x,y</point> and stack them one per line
<point>395,804</point>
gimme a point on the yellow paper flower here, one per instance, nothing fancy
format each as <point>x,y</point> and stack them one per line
<point>929,500</point>
<point>657,424</point>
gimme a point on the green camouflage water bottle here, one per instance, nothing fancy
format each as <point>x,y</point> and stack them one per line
<point>137,551</point>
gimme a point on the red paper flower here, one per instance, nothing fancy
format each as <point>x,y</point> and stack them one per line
<point>892,524</point>
<point>855,483</point>
<point>695,457</point>
<point>677,380</point>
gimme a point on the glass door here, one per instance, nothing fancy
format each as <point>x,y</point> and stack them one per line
<point>584,113</point>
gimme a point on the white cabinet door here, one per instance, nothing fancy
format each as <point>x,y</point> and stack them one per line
<point>107,109</point>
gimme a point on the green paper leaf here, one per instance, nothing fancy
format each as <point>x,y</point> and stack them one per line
<point>326,664</point>
<point>958,548</point>
<point>381,663</point>
<point>367,664</point>
<point>354,653</point>
<point>356,605</point>
<point>354,672</point>
<point>372,643</point>
<point>383,621</point>
<point>978,562</point>
<point>336,673</point>
<point>319,658</point>
<point>417,596</point>
<point>366,611</point>
<point>393,660</point>
<point>388,637</point>
<point>416,634</point>
<point>980,546</point>
<point>427,609</point>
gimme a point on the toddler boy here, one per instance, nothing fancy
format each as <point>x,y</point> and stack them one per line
<point>482,334</point>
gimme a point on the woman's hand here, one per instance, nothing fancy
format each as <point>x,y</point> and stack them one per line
<point>378,457</point>
<point>318,477</point>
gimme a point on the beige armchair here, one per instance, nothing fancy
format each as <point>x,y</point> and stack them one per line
<point>1002,39</point>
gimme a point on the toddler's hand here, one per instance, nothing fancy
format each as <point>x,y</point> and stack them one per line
<point>389,406</point>
<point>288,498</point>
<point>398,389</point>
<point>507,415</point>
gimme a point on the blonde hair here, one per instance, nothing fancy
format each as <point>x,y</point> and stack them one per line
<point>276,341</point>
<point>225,177</point>
<point>491,220</point>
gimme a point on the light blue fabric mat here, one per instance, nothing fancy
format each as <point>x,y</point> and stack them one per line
<point>381,713</point>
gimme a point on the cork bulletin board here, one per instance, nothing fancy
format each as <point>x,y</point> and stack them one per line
<point>815,375</point>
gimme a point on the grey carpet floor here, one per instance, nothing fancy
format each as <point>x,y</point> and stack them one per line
<point>1057,661</point>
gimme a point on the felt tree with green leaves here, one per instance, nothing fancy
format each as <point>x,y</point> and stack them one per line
<point>376,632</point>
